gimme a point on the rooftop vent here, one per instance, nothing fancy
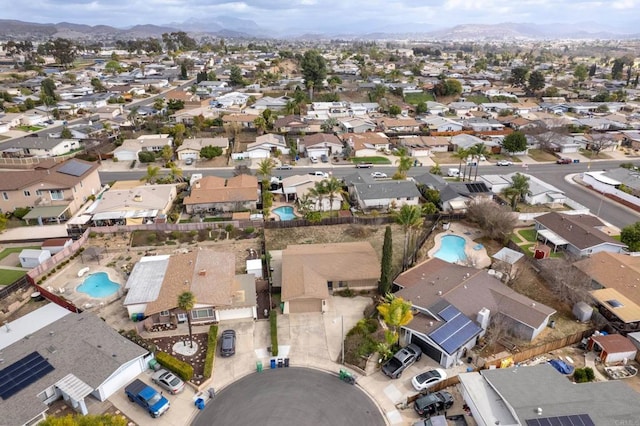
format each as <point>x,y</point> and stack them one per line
<point>202,272</point>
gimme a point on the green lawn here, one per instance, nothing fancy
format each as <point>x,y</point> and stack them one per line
<point>6,252</point>
<point>516,238</point>
<point>616,237</point>
<point>372,160</point>
<point>416,98</point>
<point>540,155</point>
<point>30,128</point>
<point>9,276</point>
<point>478,99</point>
<point>528,234</point>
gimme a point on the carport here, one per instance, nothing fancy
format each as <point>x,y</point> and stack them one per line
<point>553,238</point>
<point>74,391</point>
<point>47,214</point>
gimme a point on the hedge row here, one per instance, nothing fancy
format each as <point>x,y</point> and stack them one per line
<point>212,340</point>
<point>273,320</point>
<point>180,368</point>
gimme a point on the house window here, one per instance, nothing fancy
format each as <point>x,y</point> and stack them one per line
<point>5,196</point>
<point>27,193</point>
<point>38,193</point>
<point>202,313</point>
<point>164,313</point>
<point>56,194</point>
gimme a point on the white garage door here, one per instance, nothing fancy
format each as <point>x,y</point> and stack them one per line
<point>185,155</point>
<point>120,378</point>
<point>238,313</point>
<point>126,156</point>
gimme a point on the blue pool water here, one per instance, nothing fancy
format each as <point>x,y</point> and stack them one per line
<point>98,285</point>
<point>451,249</point>
<point>285,213</point>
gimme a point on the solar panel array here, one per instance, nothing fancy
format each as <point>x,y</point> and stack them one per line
<point>22,373</point>
<point>575,420</point>
<point>457,330</point>
<point>475,188</point>
<point>74,168</point>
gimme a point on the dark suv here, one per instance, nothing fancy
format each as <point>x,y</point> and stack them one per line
<point>401,361</point>
<point>228,344</point>
<point>432,403</point>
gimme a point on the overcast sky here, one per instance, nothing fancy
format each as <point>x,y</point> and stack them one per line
<point>327,15</point>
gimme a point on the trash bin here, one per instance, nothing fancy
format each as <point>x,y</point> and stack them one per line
<point>273,363</point>
<point>212,393</point>
<point>286,362</point>
<point>280,363</point>
<point>259,366</point>
<point>153,364</point>
<point>576,160</point>
<point>200,403</point>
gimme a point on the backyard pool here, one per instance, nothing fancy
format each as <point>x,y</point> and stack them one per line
<point>451,249</point>
<point>285,213</point>
<point>98,285</point>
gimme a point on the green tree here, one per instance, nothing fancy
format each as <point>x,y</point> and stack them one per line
<point>329,124</point>
<point>152,174</point>
<point>261,124</point>
<point>186,302</point>
<point>514,142</point>
<point>166,154</point>
<point>410,218</point>
<point>314,69</point>
<point>421,108</point>
<point>97,85</point>
<point>617,68</point>
<point>395,110</point>
<point>235,77</point>
<point>536,81</point>
<point>333,188</point>
<point>630,236</point>
<point>395,312</point>
<point>436,169</point>
<point>448,87</point>
<point>66,133</point>
<point>386,269</point>
<point>64,51</point>
<point>519,76</point>
<point>3,222</point>
<point>210,152</point>
<point>377,93</point>
<point>113,67</point>
<point>265,167</point>
<point>184,72</point>
<point>175,173</point>
<point>404,165</point>
<point>88,420</point>
<point>48,90</point>
<point>580,72</point>
<point>318,192</point>
<point>158,104</point>
<point>461,154</point>
<point>517,190</point>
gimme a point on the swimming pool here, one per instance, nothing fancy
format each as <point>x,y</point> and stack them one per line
<point>98,285</point>
<point>285,213</point>
<point>451,249</point>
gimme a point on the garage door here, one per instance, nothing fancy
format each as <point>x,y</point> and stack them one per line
<point>231,314</point>
<point>427,349</point>
<point>120,378</point>
<point>126,156</point>
<point>305,305</point>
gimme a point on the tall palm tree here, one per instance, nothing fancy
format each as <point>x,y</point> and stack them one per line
<point>318,192</point>
<point>395,312</point>
<point>133,116</point>
<point>265,167</point>
<point>410,218</point>
<point>333,188</point>
<point>461,154</point>
<point>518,189</point>
<point>404,165</point>
<point>261,124</point>
<point>186,302</point>
<point>152,174</point>
<point>175,173</point>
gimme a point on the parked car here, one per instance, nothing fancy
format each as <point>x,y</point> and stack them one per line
<point>228,344</point>
<point>188,161</point>
<point>433,421</point>
<point>402,359</point>
<point>504,163</point>
<point>364,165</point>
<point>453,172</point>
<point>433,403</point>
<point>324,158</point>
<point>313,159</point>
<point>168,381</point>
<point>319,173</point>
<point>378,175</point>
<point>564,161</point>
<point>429,378</point>
<point>147,397</point>
<point>284,167</point>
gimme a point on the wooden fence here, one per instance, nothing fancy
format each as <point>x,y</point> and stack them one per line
<point>449,381</point>
<point>180,227</point>
<point>356,220</point>
<point>19,284</point>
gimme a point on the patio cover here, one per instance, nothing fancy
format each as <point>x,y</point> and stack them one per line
<point>74,387</point>
<point>125,214</point>
<point>555,239</point>
<point>46,212</point>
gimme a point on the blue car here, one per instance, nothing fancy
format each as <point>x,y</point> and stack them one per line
<point>561,366</point>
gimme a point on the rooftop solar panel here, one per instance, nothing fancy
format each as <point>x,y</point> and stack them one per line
<point>448,313</point>
<point>455,332</point>
<point>573,420</point>
<point>74,168</point>
<point>22,373</point>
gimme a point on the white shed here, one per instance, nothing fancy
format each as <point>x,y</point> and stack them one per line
<point>254,266</point>
<point>30,258</point>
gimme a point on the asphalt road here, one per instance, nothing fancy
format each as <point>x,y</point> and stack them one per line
<point>290,397</point>
<point>552,173</point>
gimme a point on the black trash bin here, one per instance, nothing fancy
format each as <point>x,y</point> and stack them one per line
<point>286,362</point>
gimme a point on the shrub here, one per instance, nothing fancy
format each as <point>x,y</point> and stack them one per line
<point>273,320</point>
<point>590,375</point>
<point>249,230</point>
<point>180,368</point>
<point>579,375</point>
<point>21,212</point>
<point>212,340</point>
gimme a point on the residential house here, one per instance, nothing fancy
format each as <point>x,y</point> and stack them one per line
<point>130,148</point>
<point>242,121</point>
<point>456,196</point>
<point>54,191</point>
<point>39,147</point>
<point>190,148</point>
<point>436,108</point>
<point>156,282</point>
<point>442,124</point>
<point>265,146</point>
<point>631,138</point>
<point>367,144</point>
<point>213,193</point>
<point>311,272</point>
<point>78,358</point>
<point>513,396</point>
<point>483,124</point>
<point>461,109</point>
<point>419,146</point>
<point>296,186</point>
<point>540,192</point>
<point>620,182</point>
<point>615,298</point>
<point>356,125</point>
<point>230,101</point>
<point>291,124</point>
<point>455,305</point>
<point>580,235</point>
<point>466,141</point>
<point>270,103</point>
<point>398,125</point>
<point>320,144</point>
<point>371,194</point>
<point>132,203</point>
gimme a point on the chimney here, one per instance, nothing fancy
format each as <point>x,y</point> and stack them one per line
<point>202,272</point>
<point>439,292</point>
<point>197,184</point>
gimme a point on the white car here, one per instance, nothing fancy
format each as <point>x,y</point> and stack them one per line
<point>428,379</point>
<point>319,173</point>
<point>503,163</point>
<point>378,175</point>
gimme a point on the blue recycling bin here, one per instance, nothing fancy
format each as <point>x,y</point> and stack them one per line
<point>273,363</point>
<point>200,403</point>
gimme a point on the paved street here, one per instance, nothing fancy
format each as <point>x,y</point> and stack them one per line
<point>290,396</point>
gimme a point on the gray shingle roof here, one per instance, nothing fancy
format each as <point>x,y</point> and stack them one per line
<point>388,189</point>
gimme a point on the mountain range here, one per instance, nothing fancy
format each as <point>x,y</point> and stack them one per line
<point>230,27</point>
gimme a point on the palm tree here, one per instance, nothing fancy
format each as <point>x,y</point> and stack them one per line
<point>518,189</point>
<point>328,125</point>
<point>261,124</point>
<point>175,173</point>
<point>265,167</point>
<point>395,312</point>
<point>318,192</point>
<point>152,174</point>
<point>404,165</point>
<point>461,154</point>
<point>333,188</point>
<point>133,116</point>
<point>476,151</point>
<point>186,302</point>
<point>410,218</point>
<point>436,170</point>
